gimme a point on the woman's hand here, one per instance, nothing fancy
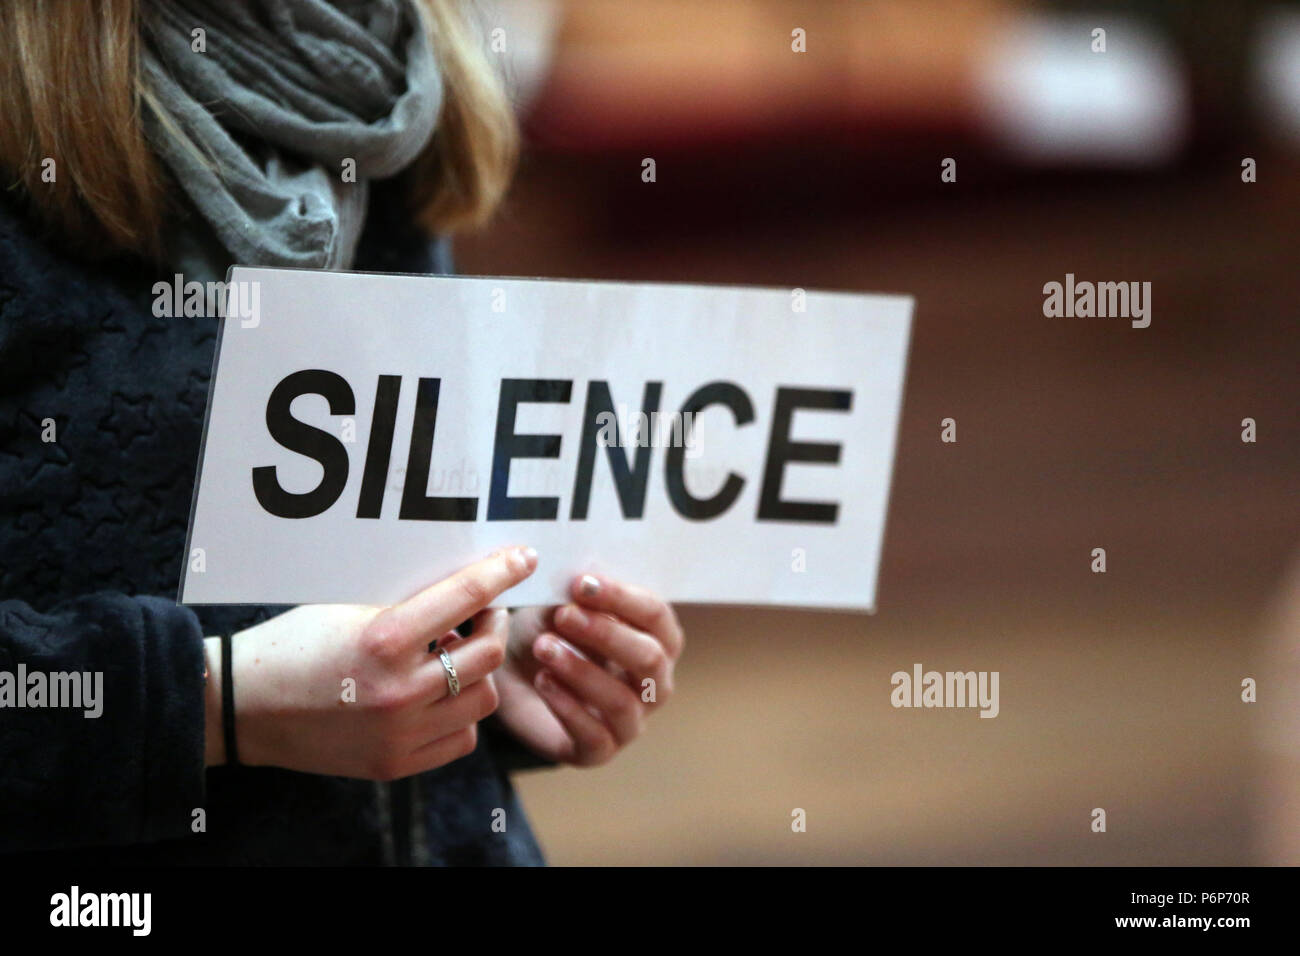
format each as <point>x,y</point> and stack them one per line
<point>580,679</point>
<point>354,691</point>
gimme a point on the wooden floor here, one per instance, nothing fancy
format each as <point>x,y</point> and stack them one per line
<point>1119,690</point>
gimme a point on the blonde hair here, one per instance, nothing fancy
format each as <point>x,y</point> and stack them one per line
<point>70,79</point>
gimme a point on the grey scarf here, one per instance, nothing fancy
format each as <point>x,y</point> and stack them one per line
<point>258,130</point>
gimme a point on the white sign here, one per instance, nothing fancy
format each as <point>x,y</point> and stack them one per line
<point>369,434</point>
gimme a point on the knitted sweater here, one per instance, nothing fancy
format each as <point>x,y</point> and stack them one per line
<point>101,413</point>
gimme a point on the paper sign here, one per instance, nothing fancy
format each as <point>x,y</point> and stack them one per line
<point>369,434</point>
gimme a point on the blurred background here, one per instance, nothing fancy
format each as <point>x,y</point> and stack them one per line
<point>821,168</point>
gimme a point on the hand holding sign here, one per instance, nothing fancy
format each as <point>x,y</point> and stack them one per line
<point>354,691</point>
<point>580,679</point>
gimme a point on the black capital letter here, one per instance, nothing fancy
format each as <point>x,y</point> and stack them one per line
<point>501,507</point>
<point>688,506</point>
<point>415,503</point>
<point>781,450</point>
<point>306,440</point>
<point>380,447</point>
<point>630,483</point>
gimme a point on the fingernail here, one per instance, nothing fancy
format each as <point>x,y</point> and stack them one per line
<point>588,585</point>
<point>575,617</point>
<point>521,559</point>
<point>546,649</point>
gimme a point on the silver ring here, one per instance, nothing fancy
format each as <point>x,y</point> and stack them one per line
<point>453,682</point>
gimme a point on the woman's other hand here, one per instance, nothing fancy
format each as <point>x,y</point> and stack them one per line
<point>581,678</point>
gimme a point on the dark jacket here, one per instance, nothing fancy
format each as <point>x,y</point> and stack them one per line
<point>92,537</point>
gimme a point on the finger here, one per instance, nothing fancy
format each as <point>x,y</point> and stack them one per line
<point>591,684</point>
<point>493,621</point>
<point>635,605</point>
<point>476,702</point>
<point>428,720</point>
<point>417,621</point>
<point>525,624</point>
<point>446,642</point>
<point>614,640</point>
<point>442,751</point>
<point>593,741</point>
<point>473,658</point>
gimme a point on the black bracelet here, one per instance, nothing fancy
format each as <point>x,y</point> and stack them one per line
<point>228,702</point>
